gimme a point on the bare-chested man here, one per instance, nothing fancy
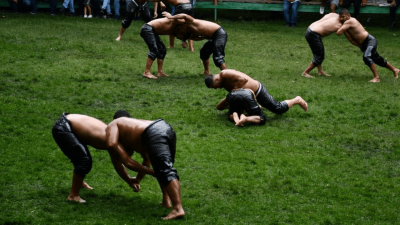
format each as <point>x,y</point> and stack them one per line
<point>243,101</point>
<point>359,37</point>
<point>233,79</point>
<point>200,30</point>
<point>73,132</point>
<point>156,139</point>
<point>134,6</point>
<point>149,33</point>
<point>315,32</point>
<point>181,6</point>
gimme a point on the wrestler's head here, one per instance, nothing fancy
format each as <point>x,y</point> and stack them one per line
<point>209,80</point>
<point>344,15</point>
<point>121,113</point>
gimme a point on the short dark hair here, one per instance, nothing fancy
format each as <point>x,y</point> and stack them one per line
<point>343,11</point>
<point>121,113</point>
<point>209,80</point>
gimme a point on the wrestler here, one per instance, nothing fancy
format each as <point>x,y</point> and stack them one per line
<point>156,139</point>
<point>181,6</point>
<point>200,30</point>
<point>315,32</point>
<point>233,79</point>
<point>149,33</point>
<point>359,37</point>
<point>244,100</point>
<point>73,132</point>
<point>134,6</point>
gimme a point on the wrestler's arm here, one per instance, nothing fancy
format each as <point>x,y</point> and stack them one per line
<point>350,38</point>
<point>346,25</point>
<point>223,104</point>
<point>187,18</point>
<point>119,167</point>
<point>146,162</point>
<point>118,152</point>
<point>155,4</point>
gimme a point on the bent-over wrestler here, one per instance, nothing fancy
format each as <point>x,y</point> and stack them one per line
<point>72,133</point>
<point>367,43</point>
<point>244,101</point>
<point>149,33</point>
<point>233,79</point>
<point>157,140</point>
<point>200,30</point>
<point>315,32</point>
<point>181,6</point>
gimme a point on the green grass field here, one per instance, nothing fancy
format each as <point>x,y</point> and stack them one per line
<point>339,163</point>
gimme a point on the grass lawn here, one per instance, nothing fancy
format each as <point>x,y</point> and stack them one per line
<point>339,163</point>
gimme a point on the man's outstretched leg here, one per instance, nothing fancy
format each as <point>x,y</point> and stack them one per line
<point>77,183</point>
<point>173,190</point>
<point>160,72</point>
<point>147,72</point>
<point>393,69</point>
<point>297,101</point>
<point>306,72</point>
<point>321,72</point>
<point>121,32</point>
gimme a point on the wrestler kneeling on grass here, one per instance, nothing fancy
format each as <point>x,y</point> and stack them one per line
<point>157,140</point>
<point>232,79</point>
<point>243,100</point>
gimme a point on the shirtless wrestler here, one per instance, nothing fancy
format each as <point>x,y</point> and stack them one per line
<point>233,79</point>
<point>156,139</point>
<point>315,32</point>
<point>244,101</point>
<point>134,6</point>
<point>200,30</point>
<point>73,132</point>
<point>359,37</point>
<point>149,33</point>
<point>181,6</point>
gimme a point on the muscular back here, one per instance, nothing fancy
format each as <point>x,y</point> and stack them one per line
<point>89,130</point>
<point>233,79</point>
<point>202,29</point>
<point>329,24</point>
<point>130,132</point>
<point>163,26</point>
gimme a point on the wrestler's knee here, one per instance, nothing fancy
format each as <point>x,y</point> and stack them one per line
<point>380,62</point>
<point>84,166</point>
<point>152,55</point>
<point>368,61</point>
<point>318,60</point>
<point>280,108</point>
<point>126,23</point>
<point>218,61</point>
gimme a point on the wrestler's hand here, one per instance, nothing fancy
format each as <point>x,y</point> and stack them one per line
<point>135,184</point>
<point>162,6</point>
<point>393,4</point>
<point>166,14</point>
<point>155,15</point>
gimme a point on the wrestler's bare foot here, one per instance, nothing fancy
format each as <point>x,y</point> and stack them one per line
<point>149,75</point>
<point>118,38</point>
<point>322,73</point>
<point>396,73</point>
<point>241,121</point>
<point>85,185</point>
<point>175,214</point>
<point>192,49</point>
<point>162,74</point>
<point>166,204</point>
<point>307,75</point>
<point>375,80</point>
<point>76,199</point>
<point>206,73</point>
<point>171,46</point>
<point>302,103</point>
